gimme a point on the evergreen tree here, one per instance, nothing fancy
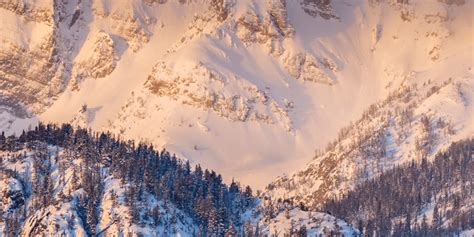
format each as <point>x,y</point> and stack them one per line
<point>436,219</point>
<point>302,232</point>
<point>231,232</point>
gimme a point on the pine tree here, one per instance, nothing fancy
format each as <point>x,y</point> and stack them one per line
<point>292,229</point>
<point>287,213</point>
<point>407,228</point>
<point>436,220</point>
<point>2,140</point>
<point>424,226</point>
<point>248,229</point>
<point>302,232</point>
<point>257,230</point>
<point>231,232</point>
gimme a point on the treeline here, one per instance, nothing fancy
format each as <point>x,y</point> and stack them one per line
<point>202,194</point>
<point>400,201</point>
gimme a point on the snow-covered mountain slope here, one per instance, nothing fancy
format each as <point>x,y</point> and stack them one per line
<point>432,198</point>
<point>62,181</point>
<point>412,123</point>
<point>296,222</point>
<point>62,212</point>
<point>263,83</point>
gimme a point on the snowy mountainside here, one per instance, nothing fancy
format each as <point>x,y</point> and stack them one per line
<point>64,181</point>
<point>60,180</point>
<point>303,223</point>
<point>412,123</point>
<point>427,198</point>
<point>69,181</point>
<point>206,74</point>
<point>430,196</point>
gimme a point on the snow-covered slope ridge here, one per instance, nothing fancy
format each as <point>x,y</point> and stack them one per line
<point>61,181</point>
<point>258,82</point>
<point>61,207</point>
<point>410,124</point>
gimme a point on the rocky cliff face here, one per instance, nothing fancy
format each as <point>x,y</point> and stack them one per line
<point>42,45</point>
<point>24,59</point>
<point>58,46</point>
